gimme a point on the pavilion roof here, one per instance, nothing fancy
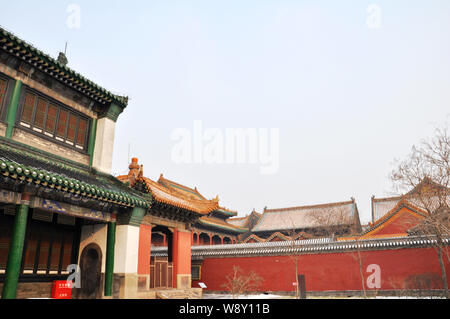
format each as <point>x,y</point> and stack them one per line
<point>238,221</point>
<point>244,221</point>
<point>417,211</point>
<point>193,193</point>
<point>304,217</point>
<point>221,224</point>
<point>227,213</point>
<point>383,206</point>
<point>184,190</point>
<point>163,193</point>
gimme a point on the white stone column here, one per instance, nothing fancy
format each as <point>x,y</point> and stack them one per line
<point>104,145</point>
<point>126,256</point>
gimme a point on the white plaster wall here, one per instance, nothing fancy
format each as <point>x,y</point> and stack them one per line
<point>2,129</point>
<point>48,146</point>
<point>126,249</point>
<point>94,234</point>
<point>104,145</point>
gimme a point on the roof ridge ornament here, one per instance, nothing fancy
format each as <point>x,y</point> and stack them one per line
<point>62,58</point>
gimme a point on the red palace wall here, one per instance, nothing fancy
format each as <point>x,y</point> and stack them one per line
<point>331,271</point>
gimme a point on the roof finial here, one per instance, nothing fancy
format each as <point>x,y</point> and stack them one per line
<point>141,171</point>
<point>62,58</point>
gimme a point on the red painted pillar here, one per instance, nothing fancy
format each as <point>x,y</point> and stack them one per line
<point>144,252</point>
<point>221,240</point>
<point>181,253</point>
<point>164,240</point>
<point>210,239</point>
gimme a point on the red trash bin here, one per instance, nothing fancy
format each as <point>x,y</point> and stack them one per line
<point>62,289</point>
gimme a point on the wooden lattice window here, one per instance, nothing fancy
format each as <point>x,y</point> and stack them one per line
<point>41,109</point>
<point>6,226</point>
<point>71,129</point>
<point>28,107</point>
<point>51,118</point>
<point>62,124</point>
<point>41,115</point>
<point>48,247</point>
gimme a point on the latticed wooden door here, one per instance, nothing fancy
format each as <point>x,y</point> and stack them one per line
<point>160,273</point>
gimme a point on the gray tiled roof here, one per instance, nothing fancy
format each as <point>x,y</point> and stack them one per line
<point>383,206</point>
<point>307,217</point>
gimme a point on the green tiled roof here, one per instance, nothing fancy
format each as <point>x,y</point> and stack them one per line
<point>25,51</point>
<point>22,163</point>
<point>225,212</point>
<point>225,226</point>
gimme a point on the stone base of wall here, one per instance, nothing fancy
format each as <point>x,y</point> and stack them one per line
<point>125,286</point>
<point>143,282</point>
<point>184,281</point>
<point>191,293</point>
<point>27,290</point>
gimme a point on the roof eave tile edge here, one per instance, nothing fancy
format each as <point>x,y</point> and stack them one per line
<point>47,179</point>
<point>105,94</point>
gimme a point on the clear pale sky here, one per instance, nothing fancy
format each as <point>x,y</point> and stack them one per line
<point>347,99</point>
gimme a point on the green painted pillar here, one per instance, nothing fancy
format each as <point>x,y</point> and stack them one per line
<point>91,145</point>
<point>15,253</point>
<point>109,268</point>
<point>12,109</point>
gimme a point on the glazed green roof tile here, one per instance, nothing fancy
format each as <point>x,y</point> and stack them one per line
<point>18,162</point>
<point>232,228</point>
<point>29,53</point>
<point>226,212</point>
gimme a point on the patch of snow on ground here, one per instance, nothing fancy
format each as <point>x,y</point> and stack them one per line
<point>259,296</point>
<point>271,296</point>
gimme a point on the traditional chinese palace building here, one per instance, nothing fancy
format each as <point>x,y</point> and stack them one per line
<point>212,229</point>
<point>179,217</point>
<point>62,211</point>
<point>59,205</point>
